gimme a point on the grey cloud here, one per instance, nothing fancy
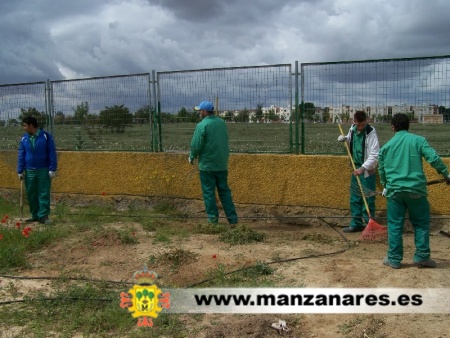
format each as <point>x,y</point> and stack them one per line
<point>60,39</point>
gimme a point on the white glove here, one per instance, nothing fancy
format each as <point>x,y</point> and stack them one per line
<point>384,192</point>
<point>191,160</point>
<point>21,177</point>
<point>52,174</point>
<point>342,138</point>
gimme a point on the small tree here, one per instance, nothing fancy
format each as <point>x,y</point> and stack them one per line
<point>116,118</point>
<point>229,116</point>
<point>60,118</point>
<point>142,115</point>
<point>167,118</point>
<point>309,111</point>
<point>41,117</point>
<point>187,116</point>
<point>259,113</point>
<point>243,116</point>
<point>81,112</point>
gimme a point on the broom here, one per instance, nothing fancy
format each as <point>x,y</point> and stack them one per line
<point>373,230</point>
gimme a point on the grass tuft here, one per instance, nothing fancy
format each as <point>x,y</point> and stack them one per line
<point>241,235</point>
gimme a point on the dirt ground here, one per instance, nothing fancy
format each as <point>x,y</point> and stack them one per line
<point>291,232</point>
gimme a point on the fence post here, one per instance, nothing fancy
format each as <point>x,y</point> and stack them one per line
<point>154,115</point>
<point>302,109</point>
<point>296,110</point>
<point>49,106</point>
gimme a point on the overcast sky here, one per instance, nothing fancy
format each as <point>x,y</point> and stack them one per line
<point>57,40</point>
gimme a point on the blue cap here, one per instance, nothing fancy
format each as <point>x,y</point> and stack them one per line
<point>205,105</point>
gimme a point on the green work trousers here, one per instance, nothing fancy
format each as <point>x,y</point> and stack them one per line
<point>37,185</point>
<point>210,180</point>
<point>419,216</point>
<point>357,207</point>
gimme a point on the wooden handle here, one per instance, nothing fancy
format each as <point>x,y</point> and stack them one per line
<point>440,180</point>
<point>21,199</point>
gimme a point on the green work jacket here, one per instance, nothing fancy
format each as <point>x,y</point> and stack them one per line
<point>400,163</point>
<point>210,144</point>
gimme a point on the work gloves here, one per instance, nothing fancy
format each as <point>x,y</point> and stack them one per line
<point>342,138</point>
<point>21,177</point>
<point>191,160</point>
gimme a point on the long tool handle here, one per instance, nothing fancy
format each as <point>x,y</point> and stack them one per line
<point>439,180</point>
<point>357,176</point>
<point>21,199</point>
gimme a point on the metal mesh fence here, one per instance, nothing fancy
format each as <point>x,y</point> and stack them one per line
<point>256,101</point>
<point>109,113</point>
<point>332,92</point>
<point>155,112</point>
<point>14,101</point>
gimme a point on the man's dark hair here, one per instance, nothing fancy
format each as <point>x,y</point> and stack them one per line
<point>360,116</point>
<point>30,120</point>
<point>400,121</point>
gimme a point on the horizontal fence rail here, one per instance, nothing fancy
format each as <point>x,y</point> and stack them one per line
<point>155,111</point>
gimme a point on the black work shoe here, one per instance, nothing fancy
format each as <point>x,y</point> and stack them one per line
<point>32,219</point>
<point>428,263</point>
<point>389,263</point>
<point>353,229</point>
<point>44,220</point>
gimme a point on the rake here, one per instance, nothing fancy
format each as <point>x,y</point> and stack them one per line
<point>369,193</point>
<point>373,230</point>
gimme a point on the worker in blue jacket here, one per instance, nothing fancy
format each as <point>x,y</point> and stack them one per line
<point>37,163</point>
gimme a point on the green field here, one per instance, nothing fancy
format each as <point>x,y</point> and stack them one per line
<point>319,138</point>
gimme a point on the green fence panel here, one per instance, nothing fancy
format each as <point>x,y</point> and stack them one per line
<point>333,91</point>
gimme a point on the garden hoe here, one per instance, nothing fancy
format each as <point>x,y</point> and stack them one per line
<point>368,192</point>
<point>373,230</point>
<point>21,200</point>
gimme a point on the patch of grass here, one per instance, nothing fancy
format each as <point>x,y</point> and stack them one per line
<point>89,310</point>
<point>363,326</point>
<point>169,208</point>
<point>111,236</point>
<point>149,224</point>
<point>16,243</point>
<point>256,275</point>
<point>276,257</point>
<point>162,236</point>
<point>260,269</point>
<point>241,235</point>
<point>217,276</point>
<point>9,206</point>
<point>165,233</point>
<point>175,257</point>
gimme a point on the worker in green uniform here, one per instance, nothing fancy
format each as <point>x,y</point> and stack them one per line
<point>405,187</point>
<point>37,160</point>
<point>210,144</point>
<point>364,146</point>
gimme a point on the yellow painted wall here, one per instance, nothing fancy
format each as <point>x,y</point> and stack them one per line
<point>316,181</point>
